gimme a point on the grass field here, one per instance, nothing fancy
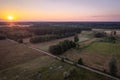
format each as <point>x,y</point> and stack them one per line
<point>96,54</point>
<point>21,63</point>
<point>49,68</point>
<point>13,53</point>
<point>85,35</point>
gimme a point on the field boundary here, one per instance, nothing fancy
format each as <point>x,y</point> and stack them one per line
<point>72,63</point>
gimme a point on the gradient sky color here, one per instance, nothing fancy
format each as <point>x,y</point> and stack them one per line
<point>61,10</point>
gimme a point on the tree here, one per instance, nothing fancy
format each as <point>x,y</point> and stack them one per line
<point>114,33</point>
<point>62,47</point>
<point>113,66</point>
<point>99,34</point>
<point>72,44</point>
<point>76,38</point>
<point>55,49</point>
<point>20,40</point>
<point>80,61</point>
<point>2,37</point>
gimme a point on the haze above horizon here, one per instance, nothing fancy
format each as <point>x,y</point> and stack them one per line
<point>60,10</point>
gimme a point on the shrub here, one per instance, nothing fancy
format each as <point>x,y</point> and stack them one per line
<point>80,61</point>
<point>55,49</point>
<point>111,39</point>
<point>76,38</point>
<point>2,37</point>
<point>20,41</point>
<point>113,67</point>
<point>61,47</point>
<point>99,34</point>
<point>73,74</point>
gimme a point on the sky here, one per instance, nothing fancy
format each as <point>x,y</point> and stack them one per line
<point>60,10</point>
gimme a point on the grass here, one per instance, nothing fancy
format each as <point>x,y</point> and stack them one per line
<point>105,48</point>
<point>22,63</point>
<point>12,54</point>
<point>45,45</point>
<point>96,54</point>
<point>42,65</point>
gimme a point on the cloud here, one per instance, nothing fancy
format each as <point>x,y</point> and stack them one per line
<point>109,16</point>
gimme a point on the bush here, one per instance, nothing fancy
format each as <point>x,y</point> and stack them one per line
<point>61,47</point>
<point>80,61</point>
<point>111,39</point>
<point>73,74</point>
<point>62,59</point>
<point>99,35</point>
<point>55,49</point>
<point>76,38</point>
<point>34,40</point>
<point>113,67</point>
<point>2,37</point>
<point>20,41</point>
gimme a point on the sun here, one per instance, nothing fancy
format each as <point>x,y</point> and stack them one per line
<point>10,18</point>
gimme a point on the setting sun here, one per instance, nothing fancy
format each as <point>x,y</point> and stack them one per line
<point>10,18</point>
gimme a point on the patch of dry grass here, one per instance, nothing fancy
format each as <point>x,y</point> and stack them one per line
<point>14,53</point>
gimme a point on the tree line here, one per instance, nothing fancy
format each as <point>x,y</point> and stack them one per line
<point>62,47</point>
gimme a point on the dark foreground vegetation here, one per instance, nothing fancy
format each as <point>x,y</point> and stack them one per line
<point>2,37</point>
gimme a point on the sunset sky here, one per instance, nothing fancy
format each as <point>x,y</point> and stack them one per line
<point>60,10</point>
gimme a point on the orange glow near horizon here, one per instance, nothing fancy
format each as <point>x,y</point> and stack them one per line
<point>60,10</point>
<point>22,15</point>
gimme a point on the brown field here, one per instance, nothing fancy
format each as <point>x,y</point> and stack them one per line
<point>12,54</point>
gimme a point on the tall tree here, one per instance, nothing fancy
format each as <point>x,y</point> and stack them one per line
<point>113,66</point>
<point>76,38</point>
<point>80,61</point>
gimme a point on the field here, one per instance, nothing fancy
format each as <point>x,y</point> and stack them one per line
<point>21,63</point>
<point>108,31</point>
<point>85,35</point>
<point>12,53</point>
<point>96,54</point>
<point>49,68</point>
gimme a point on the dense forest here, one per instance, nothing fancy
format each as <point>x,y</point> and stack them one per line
<point>40,33</point>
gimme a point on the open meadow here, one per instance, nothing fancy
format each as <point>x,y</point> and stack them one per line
<point>96,54</point>
<point>21,63</point>
<point>12,53</point>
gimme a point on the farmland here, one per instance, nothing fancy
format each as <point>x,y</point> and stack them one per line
<point>96,54</point>
<point>28,66</point>
<point>85,35</point>
<point>13,53</point>
<point>25,52</point>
